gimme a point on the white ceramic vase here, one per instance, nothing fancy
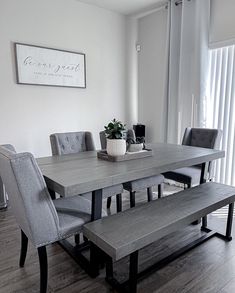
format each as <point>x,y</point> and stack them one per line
<point>116,147</point>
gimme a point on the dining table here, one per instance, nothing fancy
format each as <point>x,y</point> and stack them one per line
<point>75,174</point>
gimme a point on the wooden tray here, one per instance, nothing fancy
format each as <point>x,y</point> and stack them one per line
<point>128,156</point>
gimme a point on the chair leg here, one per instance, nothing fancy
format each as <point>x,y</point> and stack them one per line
<point>24,247</point>
<point>42,254</point>
<point>160,190</point>
<point>150,193</point>
<point>132,199</point>
<point>109,200</point>
<point>119,202</point>
<point>77,239</point>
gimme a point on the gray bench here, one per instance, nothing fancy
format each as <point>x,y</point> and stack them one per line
<point>124,234</point>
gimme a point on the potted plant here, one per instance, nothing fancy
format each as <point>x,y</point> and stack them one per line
<point>116,144</point>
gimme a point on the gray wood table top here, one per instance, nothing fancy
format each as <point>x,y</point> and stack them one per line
<point>121,234</point>
<point>79,173</point>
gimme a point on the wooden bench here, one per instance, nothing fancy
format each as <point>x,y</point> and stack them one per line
<point>124,234</point>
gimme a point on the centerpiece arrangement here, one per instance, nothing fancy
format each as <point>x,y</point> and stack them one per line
<point>121,144</point>
<point>116,144</point>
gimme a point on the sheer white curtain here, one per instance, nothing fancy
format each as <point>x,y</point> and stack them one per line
<point>186,83</point>
<point>220,108</point>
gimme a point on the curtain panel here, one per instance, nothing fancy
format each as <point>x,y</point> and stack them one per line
<point>187,67</point>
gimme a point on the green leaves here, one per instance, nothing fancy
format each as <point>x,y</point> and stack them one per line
<point>114,130</point>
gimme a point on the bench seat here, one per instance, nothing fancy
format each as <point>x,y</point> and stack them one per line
<point>125,233</point>
<point>121,234</point>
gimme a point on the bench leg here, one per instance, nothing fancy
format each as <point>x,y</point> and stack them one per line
<point>133,271</point>
<point>204,222</point>
<point>94,260</point>
<point>109,268</point>
<point>229,221</point>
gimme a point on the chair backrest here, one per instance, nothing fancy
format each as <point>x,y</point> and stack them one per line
<point>202,137</point>
<point>128,134</point>
<point>29,198</point>
<point>71,142</point>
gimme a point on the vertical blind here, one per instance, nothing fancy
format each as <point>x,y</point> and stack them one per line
<point>220,108</point>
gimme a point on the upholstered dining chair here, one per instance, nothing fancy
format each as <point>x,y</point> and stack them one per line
<point>40,219</point>
<point>140,184</point>
<point>197,137</point>
<point>75,142</point>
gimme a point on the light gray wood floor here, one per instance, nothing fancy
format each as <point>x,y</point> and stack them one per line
<point>208,268</point>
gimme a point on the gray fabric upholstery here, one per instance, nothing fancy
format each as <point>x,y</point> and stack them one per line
<point>202,137</point>
<point>144,183</point>
<point>75,204</point>
<point>198,137</point>
<point>75,142</point>
<point>187,175</point>
<point>107,191</point>
<point>73,212</point>
<point>31,203</point>
<point>139,184</point>
<point>71,142</point>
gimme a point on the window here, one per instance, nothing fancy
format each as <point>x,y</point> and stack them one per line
<point>220,108</point>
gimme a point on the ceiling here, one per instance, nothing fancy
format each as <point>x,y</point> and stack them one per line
<point>127,7</point>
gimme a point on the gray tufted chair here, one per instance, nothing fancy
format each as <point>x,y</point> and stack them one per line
<point>197,137</point>
<point>40,219</point>
<point>71,142</point>
<point>75,142</point>
<point>140,184</point>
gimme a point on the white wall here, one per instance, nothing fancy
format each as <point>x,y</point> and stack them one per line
<point>29,114</point>
<point>222,22</point>
<point>152,30</point>
<point>131,72</point>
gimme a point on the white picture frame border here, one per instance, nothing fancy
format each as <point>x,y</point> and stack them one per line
<point>17,64</point>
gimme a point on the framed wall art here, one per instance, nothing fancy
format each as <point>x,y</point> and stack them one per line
<point>52,67</point>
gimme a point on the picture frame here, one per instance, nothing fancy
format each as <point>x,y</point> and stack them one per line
<point>37,65</point>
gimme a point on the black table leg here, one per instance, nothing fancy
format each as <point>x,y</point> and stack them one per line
<point>96,206</point>
<point>96,213</point>
<point>204,170</point>
<point>52,193</point>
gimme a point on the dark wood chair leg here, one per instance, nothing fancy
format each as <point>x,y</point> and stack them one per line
<point>160,190</point>
<point>150,193</point>
<point>132,199</point>
<point>42,254</point>
<point>24,247</point>
<point>77,239</point>
<point>85,239</point>
<point>109,200</point>
<point>119,202</point>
